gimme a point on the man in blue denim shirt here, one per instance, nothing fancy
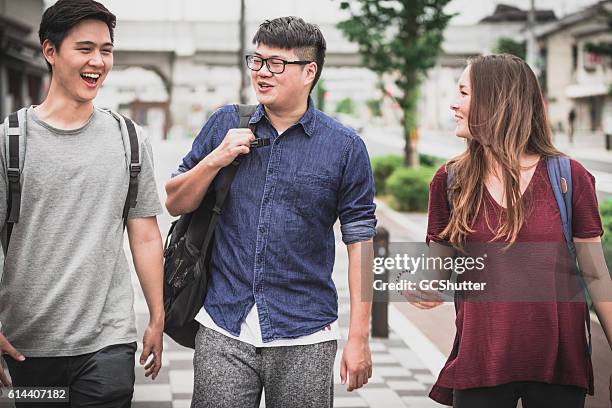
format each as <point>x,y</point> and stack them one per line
<point>269,319</point>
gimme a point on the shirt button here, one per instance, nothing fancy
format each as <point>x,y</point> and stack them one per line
<point>262,230</point>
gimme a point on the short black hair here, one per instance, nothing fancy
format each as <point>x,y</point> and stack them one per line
<point>61,17</point>
<point>293,33</point>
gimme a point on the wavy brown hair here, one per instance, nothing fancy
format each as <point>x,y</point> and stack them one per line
<point>506,118</point>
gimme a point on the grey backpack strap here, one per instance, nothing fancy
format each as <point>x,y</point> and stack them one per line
<point>132,195</point>
<point>244,113</point>
<point>131,144</point>
<point>13,168</point>
<point>15,152</point>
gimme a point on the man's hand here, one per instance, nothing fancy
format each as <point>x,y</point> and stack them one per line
<point>152,343</point>
<point>7,348</point>
<point>357,363</point>
<point>236,142</point>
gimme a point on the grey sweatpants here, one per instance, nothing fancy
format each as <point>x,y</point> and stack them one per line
<point>230,373</point>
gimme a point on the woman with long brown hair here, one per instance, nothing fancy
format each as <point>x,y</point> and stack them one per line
<point>510,346</point>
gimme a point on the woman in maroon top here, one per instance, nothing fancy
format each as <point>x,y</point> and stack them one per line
<point>505,349</point>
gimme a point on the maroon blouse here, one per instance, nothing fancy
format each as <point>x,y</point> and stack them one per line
<point>504,341</point>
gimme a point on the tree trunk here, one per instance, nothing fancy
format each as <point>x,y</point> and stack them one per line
<point>411,156</point>
<point>411,135</point>
<point>409,103</point>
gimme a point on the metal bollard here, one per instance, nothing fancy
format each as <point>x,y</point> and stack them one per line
<point>380,304</point>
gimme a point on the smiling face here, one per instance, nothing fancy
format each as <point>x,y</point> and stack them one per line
<point>282,91</point>
<point>461,106</point>
<point>82,61</point>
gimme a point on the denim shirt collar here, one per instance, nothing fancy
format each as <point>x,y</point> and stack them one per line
<point>307,120</point>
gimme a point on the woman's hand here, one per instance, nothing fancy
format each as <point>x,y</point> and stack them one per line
<point>424,299</point>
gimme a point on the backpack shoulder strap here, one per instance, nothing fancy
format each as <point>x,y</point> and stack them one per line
<point>244,113</point>
<point>15,135</point>
<point>560,176</point>
<point>134,166</point>
<point>132,148</point>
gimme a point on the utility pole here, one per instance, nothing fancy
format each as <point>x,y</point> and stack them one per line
<point>532,46</point>
<point>241,52</point>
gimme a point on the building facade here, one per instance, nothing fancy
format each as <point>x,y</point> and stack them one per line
<point>461,42</point>
<point>23,71</point>
<point>578,82</point>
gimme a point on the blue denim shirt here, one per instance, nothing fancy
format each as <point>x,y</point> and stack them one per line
<point>274,243</point>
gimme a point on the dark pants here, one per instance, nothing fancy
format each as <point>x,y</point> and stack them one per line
<point>532,394</point>
<point>104,378</point>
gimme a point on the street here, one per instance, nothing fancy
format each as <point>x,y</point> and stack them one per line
<point>589,150</point>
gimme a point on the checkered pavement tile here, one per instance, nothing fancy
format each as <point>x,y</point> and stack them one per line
<point>400,379</point>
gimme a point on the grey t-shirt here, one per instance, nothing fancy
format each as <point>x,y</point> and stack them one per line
<point>66,287</point>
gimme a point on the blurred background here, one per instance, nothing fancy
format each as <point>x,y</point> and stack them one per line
<point>175,62</point>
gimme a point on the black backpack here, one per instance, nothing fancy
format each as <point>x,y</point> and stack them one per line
<point>187,252</point>
<point>15,136</point>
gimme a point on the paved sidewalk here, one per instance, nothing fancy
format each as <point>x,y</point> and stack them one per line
<point>402,376</point>
<point>438,325</point>
<point>404,365</point>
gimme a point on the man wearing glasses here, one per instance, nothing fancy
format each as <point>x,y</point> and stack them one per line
<point>269,320</point>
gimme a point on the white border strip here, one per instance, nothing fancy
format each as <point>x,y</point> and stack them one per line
<point>433,358</point>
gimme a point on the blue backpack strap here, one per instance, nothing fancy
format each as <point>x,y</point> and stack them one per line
<point>560,176</point>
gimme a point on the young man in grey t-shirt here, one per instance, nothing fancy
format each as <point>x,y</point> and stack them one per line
<point>66,299</point>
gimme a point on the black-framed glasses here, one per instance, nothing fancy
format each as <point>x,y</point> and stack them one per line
<point>275,65</point>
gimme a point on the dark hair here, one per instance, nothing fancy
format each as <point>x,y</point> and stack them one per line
<point>61,17</point>
<point>293,33</point>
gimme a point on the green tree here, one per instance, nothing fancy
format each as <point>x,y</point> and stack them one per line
<point>346,105</point>
<point>509,46</point>
<point>403,38</point>
<point>375,107</point>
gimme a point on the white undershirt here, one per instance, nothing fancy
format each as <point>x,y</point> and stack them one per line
<point>250,331</point>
